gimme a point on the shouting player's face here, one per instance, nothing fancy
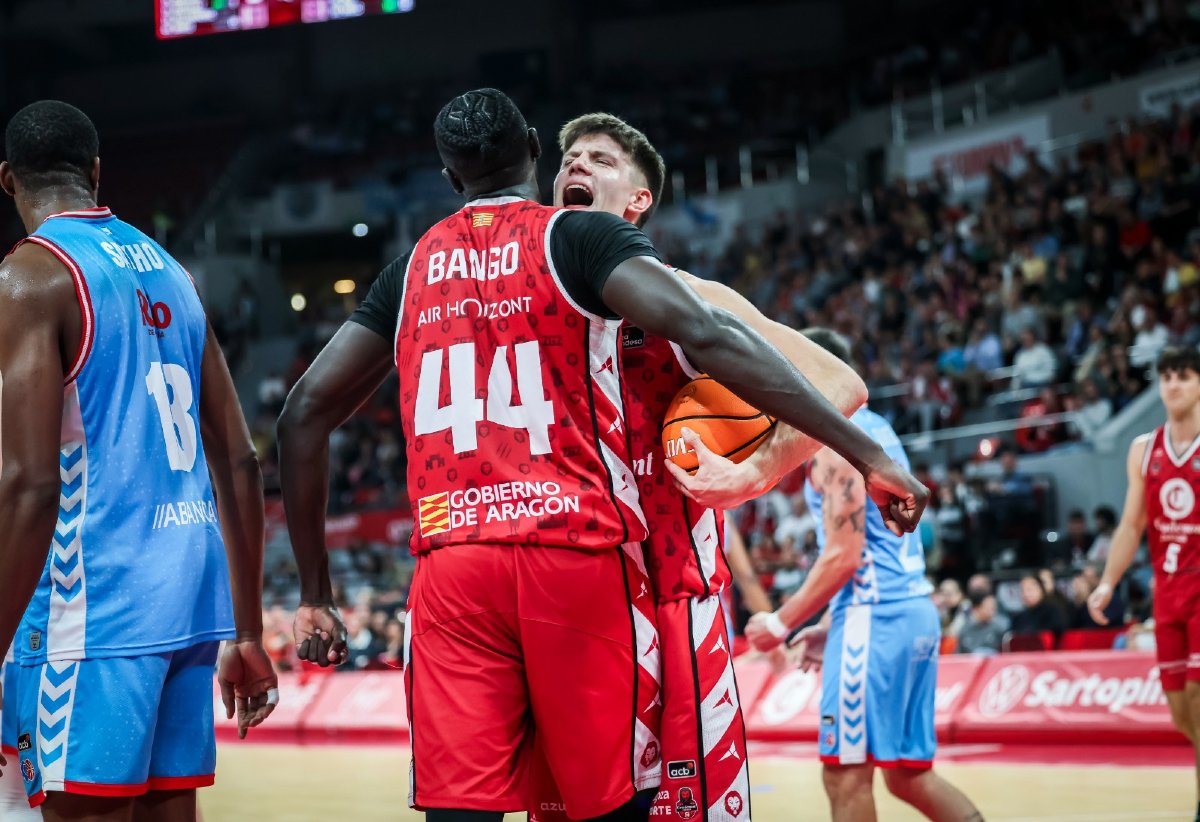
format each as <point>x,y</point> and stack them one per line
<point>1180,391</point>
<point>597,174</point>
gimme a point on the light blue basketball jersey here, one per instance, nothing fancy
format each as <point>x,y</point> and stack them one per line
<point>137,564</point>
<point>892,568</point>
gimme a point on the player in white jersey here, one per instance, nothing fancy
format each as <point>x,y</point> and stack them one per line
<point>130,501</point>
<point>880,661</point>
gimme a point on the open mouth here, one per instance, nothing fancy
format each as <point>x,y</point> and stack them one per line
<point>578,196</point>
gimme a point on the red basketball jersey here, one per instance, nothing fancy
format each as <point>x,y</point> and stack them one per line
<point>1172,517</point>
<point>684,552</point>
<point>510,393</point>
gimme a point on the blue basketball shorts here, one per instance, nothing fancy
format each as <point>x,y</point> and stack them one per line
<point>879,684</point>
<point>119,726</point>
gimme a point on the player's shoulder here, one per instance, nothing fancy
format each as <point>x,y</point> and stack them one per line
<point>32,275</point>
<point>1142,441</point>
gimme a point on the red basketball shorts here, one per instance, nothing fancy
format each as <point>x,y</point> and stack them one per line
<point>513,646</point>
<point>545,801</point>
<point>1177,629</point>
<point>703,733</point>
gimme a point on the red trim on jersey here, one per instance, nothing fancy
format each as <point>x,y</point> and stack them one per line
<point>37,799</point>
<point>8,749</point>
<point>97,789</point>
<point>88,332</point>
<point>886,764</point>
<point>93,213</point>
<point>180,783</point>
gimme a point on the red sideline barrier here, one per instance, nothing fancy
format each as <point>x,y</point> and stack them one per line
<point>1086,697</point>
<point>790,709</point>
<point>365,707</point>
<point>1042,698</point>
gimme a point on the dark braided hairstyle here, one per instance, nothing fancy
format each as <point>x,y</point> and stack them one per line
<point>480,133</point>
<point>50,143</point>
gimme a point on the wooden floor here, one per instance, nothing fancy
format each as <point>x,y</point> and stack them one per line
<point>335,784</point>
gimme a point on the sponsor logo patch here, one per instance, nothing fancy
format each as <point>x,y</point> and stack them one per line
<point>434,514</point>
<point>681,769</point>
<point>733,803</point>
<point>686,807</point>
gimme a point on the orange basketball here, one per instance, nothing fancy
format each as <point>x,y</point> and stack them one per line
<point>725,423</point>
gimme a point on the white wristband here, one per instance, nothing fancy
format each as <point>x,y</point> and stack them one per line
<point>776,627</point>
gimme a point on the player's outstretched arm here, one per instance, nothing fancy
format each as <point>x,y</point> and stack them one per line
<point>721,483</point>
<point>647,293</point>
<point>344,376</point>
<point>845,523</point>
<point>249,685</point>
<point>1128,534</point>
<point>36,296</point>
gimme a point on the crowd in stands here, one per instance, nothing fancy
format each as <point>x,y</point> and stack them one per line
<point>1060,286</point>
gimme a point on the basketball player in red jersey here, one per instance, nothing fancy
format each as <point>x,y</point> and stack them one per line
<point>1164,473</point>
<point>608,165</point>
<point>504,326</point>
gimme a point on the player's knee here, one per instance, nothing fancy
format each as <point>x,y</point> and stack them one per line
<point>906,784</point>
<point>844,781</point>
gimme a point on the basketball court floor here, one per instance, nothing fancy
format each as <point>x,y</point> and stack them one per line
<point>277,783</point>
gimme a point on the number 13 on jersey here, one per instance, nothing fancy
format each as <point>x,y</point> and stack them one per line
<point>466,410</point>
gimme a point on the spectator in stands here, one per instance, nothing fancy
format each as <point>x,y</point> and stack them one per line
<point>790,574</point>
<point>983,631</point>
<point>983,351</point>
<point>1092,409</point>
<point>1152,336</point>
<point>1078,540</point>
<point>362,645</point>
<point>795,526</point>
<point>1106,523</point>
<point>1044,435</point>
<point>1055,597</point>
<point>1034,364</point>
<point>951,520</point>
<point>952,607</point>
<point>393,649</point>
<point>1039,614</point>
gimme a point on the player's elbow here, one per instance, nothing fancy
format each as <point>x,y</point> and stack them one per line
<point>706,331</point>
<point>853,395</point>
<point>33,494</point>
<point>301,413</point>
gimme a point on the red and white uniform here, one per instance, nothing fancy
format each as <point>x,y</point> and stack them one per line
<point>523,609</point>
<point>703,733</point>
<point>1173,529</point>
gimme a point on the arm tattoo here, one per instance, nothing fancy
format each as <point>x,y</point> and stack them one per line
<point>857,519</point>
<point>848,489</point>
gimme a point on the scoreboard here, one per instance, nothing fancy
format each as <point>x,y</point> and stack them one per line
<point>183,18</point>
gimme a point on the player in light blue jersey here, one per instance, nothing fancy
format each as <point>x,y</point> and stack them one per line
<point>882,629</point>
<point>117,558</point>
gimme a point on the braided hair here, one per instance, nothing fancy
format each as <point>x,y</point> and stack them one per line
<point>481,132</point>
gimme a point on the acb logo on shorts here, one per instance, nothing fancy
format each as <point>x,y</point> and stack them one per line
<point>681,769</point>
